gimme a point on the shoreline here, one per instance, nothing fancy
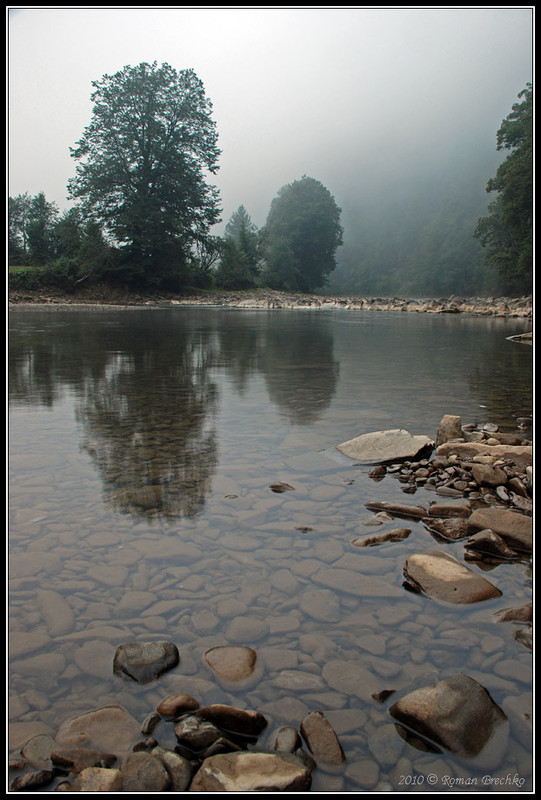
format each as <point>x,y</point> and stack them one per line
<point>268,299</point>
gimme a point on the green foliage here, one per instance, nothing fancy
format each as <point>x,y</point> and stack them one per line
<point>239,256</point>
<point>301,236</point>
<point>141,169</point>
<point>506,232</point>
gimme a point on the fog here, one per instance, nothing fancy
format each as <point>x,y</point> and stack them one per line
<point>369,101</point>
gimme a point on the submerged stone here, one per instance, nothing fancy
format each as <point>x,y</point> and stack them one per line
<point>145,661</point>
<point>233,663</point>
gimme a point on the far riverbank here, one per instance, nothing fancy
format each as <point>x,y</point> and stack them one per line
<point>103,295</point>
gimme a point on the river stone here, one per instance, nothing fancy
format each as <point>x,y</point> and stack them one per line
<point>98,779</point>
<point>487,475</point>
<point>441,576</point>
<point>110,727</point>
<point>350,678</point>
<point>37,750</point>
<point>515,528</point>
<point>287,739</point>
<point>521,455</point>
<point>56,612</point>
<point>352,582</point>
<point>322,740</point>
<point>252,772</point>
<point>489,542</point>
<point>450,428</point>
<point>145,661</point>
<point>75,759</point>
<point>384,446</point>
<point>196,734</point>
<point>457,713</point>
<point>379,538</point>
<point>320,604</point>
<point>142,772</point>
<point>242,630</point>
<point>236,720</point>
<point>178,767</point>
<point>230,662</point>
<point>175,704</point>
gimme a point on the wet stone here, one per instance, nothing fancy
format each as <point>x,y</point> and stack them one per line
<point>322,740</point>
<point>142,772</point>
<point>230,662</point>
<point>441,576</point>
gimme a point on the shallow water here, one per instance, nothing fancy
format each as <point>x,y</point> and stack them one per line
<point>142,447</point>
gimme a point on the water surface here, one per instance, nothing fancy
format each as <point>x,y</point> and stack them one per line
<point>142,447</point>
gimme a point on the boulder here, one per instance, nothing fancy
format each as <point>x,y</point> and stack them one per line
<point>383,447</point>
<point>521,455</point>
<point>252,772</point>
<point>490,543</point>
<point>458,714</point>
<point>441,576</point>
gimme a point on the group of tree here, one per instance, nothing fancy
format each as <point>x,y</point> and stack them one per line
<point>145,207</point>
<point>506,232</point>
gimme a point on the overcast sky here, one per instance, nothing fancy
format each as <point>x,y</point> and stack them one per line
<point>355,97</point>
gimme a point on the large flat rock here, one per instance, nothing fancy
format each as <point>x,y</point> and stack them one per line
<point>441,576</point>
<point>382,447</point>
<point>516,529</point>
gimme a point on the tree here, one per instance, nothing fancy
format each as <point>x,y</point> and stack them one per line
<point>507,232</point>
<point>31,223</point>
<point>301,236</point>
<point>239,259</point>
<point>142,166</point>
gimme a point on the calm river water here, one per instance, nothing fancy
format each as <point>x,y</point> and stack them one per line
<point>142,448</point>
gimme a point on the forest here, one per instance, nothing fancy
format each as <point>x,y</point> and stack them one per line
<point>145,210</point>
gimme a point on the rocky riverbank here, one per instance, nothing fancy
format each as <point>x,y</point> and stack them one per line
<point>482,483</point>
<point>106,296</point>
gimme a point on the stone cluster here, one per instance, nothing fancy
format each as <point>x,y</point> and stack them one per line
<point>216,750</point>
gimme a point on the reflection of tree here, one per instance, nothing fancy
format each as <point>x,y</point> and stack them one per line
<point>143,397</point>
<point>300,372</point>
<point>145,422</point>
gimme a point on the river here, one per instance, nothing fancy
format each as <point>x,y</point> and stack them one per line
<point>142,447</point>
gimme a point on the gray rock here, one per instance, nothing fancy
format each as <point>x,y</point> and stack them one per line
<point>145,661</point>
<point>252,772</point>
<point>458,714</point>
<point>178,768</point>
<point>287,739</point>
<point>441,576</point>
<point>195,733</point>
<point>384,446</point>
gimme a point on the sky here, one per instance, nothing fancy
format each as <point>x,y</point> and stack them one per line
<point>363,99</point>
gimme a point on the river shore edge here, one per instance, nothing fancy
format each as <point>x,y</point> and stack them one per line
<point>103,296</point>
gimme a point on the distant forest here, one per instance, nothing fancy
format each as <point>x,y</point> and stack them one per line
<point>145,211</point>
<point>419,243</point>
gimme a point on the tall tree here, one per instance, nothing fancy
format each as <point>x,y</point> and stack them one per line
<point>507,232</point>
<point>301,236</point>
<point>142,167</point>
<point>239,259</point>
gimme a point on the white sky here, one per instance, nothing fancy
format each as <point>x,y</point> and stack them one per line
<point>355,97</point>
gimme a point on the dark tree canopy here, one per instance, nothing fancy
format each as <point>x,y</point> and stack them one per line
<point>301,236</point>
<point>239,258</point>
<point>142,167</point>
<point>507,232</point>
